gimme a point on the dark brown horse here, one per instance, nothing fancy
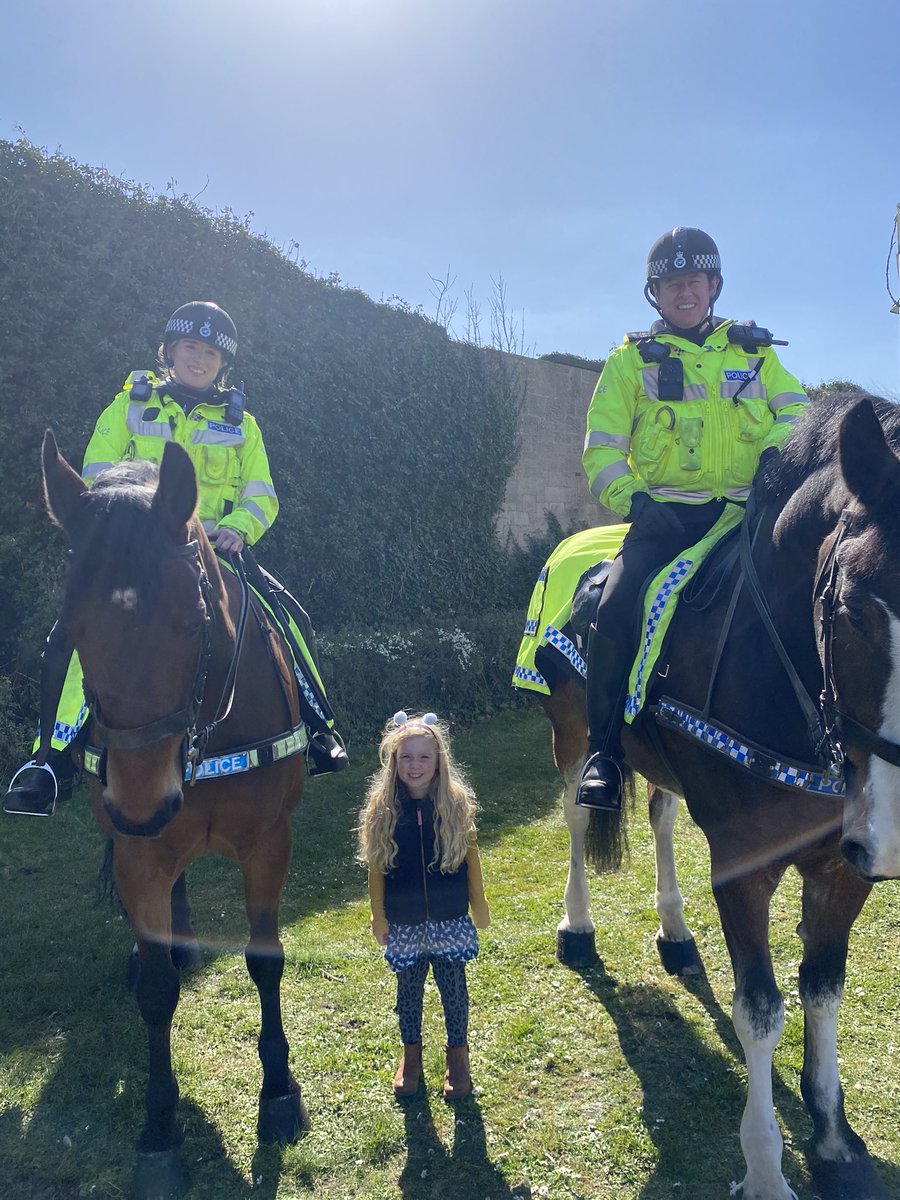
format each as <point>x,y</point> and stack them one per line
<point>182,673</point>
<point>796,672</point>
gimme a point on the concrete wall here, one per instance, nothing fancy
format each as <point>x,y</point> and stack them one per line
<point>548,475</point>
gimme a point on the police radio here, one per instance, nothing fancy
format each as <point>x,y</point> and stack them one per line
<point>234,405</point>
<point>752,337</point>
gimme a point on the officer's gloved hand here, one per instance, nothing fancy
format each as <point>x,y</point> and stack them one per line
<point>652,517</point>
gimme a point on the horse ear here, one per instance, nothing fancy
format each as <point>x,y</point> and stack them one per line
<point>176,494</point>
<point>869,466</point>
<point>64,489</point>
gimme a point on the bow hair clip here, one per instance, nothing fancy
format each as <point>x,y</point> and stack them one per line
<point>429,718</point>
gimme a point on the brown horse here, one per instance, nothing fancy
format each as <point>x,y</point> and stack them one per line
<point>185,676</point>
<point>775,713</point>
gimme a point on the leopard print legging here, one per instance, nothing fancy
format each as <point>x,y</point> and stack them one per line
<point>450,978</point>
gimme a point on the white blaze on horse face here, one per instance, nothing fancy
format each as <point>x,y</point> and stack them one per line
<point>875,824</point>
<point>126,598</point>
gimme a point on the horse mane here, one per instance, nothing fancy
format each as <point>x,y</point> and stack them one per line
<point>813,444</point>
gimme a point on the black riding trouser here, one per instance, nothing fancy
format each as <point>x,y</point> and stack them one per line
<point>615,634</point>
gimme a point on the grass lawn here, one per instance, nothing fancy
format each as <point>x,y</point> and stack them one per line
<point>617,1082</point>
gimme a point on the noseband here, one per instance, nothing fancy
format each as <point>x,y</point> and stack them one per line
<point>184,721</point>
<point>835,719</point>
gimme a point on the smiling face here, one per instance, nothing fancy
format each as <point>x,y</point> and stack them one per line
<point>417,761</point>
<point>684,300</point>
<point>195,364</point>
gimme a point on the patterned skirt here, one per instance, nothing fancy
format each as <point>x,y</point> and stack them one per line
<point>455,940</point>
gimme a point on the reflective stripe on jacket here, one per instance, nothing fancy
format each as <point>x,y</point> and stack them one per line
<point>233,477</point>
<point>707,445</point>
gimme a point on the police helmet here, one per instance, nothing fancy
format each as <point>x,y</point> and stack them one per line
<point>202,321</point>
<point>679,252</point>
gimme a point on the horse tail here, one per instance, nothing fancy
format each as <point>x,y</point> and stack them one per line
<point>606,839</point>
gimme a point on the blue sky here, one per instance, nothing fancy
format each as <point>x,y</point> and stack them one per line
<point>544,141</point>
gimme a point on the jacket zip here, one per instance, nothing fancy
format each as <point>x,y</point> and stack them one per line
<point>422,852</point>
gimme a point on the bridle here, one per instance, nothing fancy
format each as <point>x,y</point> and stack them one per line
<point>829,726</point>
<point>835,719</point>
<point>184,720</point>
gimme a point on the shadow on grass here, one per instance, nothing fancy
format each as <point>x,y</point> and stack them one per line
<point>692,1096</point>
<point>465,1171</point>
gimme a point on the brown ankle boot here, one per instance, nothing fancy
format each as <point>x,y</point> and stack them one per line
<point>457,1080</point>
<point>409,1073</point>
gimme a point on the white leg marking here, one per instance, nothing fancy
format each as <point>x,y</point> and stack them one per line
<point>668,901</point>
<point>577,897</point>
<point>761,1139</point>
<point>821,1069</point>
<point>875,821</point>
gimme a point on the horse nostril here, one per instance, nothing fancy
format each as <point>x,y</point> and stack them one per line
<point>857,856</point>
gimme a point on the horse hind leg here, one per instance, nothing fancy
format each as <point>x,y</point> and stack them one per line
<point>839,1161</point>
<point>674,941</point>
<point>575,935</point>
<point>282,1113</point>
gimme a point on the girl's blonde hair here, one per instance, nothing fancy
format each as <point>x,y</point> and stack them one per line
<point>454,802</point>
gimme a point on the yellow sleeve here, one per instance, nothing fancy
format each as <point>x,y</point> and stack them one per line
<point>376,900</point>
<point>607,443</point>
<point>481,916</point>
<point>256,504</point>
<point>109,440</point>
<point>787,400</point>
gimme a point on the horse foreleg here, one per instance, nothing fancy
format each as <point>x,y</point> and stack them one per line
<point>674,940</point>
<point>147,901</point>
<point>758,1016</point>
<point>282,1113</point>
<point>839,1161</point>
<point>575,934</point>
<point>185,947</point>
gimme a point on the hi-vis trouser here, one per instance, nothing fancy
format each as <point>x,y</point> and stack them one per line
<point>72,711</point>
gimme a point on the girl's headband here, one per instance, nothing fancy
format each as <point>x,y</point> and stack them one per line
<point>425,721</point>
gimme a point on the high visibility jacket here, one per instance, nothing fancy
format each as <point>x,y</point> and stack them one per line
<point>233,477</point>
<point>704,446</point>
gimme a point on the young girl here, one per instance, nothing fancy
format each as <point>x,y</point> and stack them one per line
<point>187,400</point>
<point>417,836</point>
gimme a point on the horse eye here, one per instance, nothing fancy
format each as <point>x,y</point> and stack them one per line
<point>855,615</point>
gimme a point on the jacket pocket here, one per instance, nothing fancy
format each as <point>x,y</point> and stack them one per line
<point>214,465</point>
<point>689,436</point>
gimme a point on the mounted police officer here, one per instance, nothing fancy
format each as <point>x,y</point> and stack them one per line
<point>679,419</point>
<point>187,402</point>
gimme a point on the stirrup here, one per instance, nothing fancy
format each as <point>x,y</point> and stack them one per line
<point>327,751</point>
<point>608,796</point>
<point>30,812</point>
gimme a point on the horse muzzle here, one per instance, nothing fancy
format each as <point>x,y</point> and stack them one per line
<point>153,826</point>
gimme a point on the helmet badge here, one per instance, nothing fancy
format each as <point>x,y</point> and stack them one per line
<point>679,260</point>
<point>205,330</point>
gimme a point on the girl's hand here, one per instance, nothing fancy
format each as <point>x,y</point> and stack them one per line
<point>381,939</point>
<point>227,540</point>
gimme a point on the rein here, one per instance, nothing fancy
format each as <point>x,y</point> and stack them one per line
<point>827,724</point>
<point>184,720</point>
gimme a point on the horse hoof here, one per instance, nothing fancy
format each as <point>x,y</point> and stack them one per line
<point>576,949</point>
<point>160,1176</point>
<point>282,1118</point>
<point>679,958</point>
<point>855,1180</point>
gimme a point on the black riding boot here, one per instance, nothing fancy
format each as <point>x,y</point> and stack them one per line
<point>600,785</point>
<point>46,778</point>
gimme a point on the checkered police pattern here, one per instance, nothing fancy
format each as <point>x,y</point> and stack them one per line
<point>649,651</point>
<point>560,642</point>
<point>531,627</point>
<point>527,675</point>
<point>659,267</point>
<point>809,779</point>
<point>308,693</point>
<point>226,343</point>
<point>180,325</point>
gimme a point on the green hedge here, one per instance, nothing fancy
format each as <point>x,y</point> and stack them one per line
<point>390,444</point>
